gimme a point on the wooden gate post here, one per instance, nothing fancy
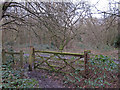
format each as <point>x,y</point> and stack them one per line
<point>86,58</point>
<point>13,58</point>
<point>31,58</point>
<point>85,62</point>
<point>3,56</point>
<point>21,58</point>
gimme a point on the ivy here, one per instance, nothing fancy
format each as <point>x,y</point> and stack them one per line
<point>12,78</point>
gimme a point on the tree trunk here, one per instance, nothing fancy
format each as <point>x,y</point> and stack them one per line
<point>119,47</point>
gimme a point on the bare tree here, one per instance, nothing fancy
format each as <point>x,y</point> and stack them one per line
<point>57,19</point>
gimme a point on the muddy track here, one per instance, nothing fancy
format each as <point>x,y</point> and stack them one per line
<point>44,80</point>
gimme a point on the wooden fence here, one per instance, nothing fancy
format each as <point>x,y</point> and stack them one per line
<point>4,58</point>
<point>51,60</point>
<point>44,58</point>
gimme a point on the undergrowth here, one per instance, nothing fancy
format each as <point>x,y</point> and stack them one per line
<point>12,78</point>
<point>102,74</point>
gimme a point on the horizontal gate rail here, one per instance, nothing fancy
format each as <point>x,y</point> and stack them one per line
<point>61,53</point>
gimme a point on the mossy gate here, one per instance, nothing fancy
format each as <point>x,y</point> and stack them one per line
<point>63,62</point>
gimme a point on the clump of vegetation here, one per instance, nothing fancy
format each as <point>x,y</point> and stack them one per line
<point>117,42</point>
<point>104,62</point>
<point>102,74</point>
<point>14,78</point>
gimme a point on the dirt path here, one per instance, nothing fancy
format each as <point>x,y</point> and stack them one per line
<point>43,77</point>
<point>44,80</point>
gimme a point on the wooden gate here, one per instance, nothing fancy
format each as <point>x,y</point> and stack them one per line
<point>58,61</point>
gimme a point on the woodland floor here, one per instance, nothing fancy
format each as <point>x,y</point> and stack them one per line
<point>46,79</point>
<point>50,80</point>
